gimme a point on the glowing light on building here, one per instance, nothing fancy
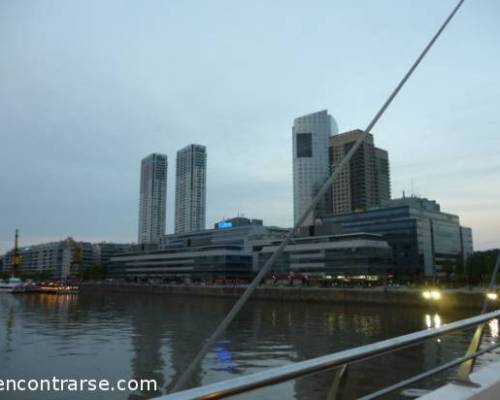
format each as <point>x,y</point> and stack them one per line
<point>224,225</point>
<point>431,294</point>
<point>492,296</point>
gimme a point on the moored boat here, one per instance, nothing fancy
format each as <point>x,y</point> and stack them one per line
<point>13,285</point>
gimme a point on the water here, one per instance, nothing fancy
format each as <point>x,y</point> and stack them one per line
<point>123,336</point>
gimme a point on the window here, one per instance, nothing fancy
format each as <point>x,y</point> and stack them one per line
<point>304,145</point>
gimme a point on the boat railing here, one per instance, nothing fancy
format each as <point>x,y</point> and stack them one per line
<point>339,361</point>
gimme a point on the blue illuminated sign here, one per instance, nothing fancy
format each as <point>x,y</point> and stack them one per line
<point>224,225</point>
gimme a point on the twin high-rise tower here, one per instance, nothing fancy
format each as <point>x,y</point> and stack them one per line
<point>318,148</point>
<point>190,188</point>
<point>190,193</point>
<point>153,198</point>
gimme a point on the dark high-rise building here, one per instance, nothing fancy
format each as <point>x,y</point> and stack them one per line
<point>365,182</point>
<point>382,175</point>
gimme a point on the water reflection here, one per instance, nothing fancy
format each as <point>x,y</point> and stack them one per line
<point>433,321</point>
<point>493,326</point>
<point>224,357</point>
<point>122,336</point>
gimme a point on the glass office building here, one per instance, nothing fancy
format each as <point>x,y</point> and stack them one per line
<point>422,237</point>
<point>311,165</point>
<point>350,254</point>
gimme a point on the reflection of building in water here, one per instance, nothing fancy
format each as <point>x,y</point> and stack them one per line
<point>347,330</point>
<point>339,329</point>
<point>493,327</point>
<point>54,309</point>
<point>194,331</point>
<point>9,325</point>
<point>147,362</point>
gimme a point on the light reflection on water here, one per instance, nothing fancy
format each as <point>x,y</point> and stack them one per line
<point>138,336</point>
<point>493,325</point>
<point>433,321</point>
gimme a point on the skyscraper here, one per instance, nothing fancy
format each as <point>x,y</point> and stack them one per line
<point>383,175</point>
<point>311,162</point>
<point>190,188</point>
<point>153,198</point>
<point>365,181</point>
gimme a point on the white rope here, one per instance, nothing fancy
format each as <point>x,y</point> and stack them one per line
<point>326,186</point>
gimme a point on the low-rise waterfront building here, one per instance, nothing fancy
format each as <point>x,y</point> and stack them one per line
<point>61,259</point>
<point>225,251</point>
<point>350,254</point>
<point>103,251</point>
<point>424,239</point>
<point>239,247</point>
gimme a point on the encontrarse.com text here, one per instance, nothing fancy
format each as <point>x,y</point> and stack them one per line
<point>55,384</point>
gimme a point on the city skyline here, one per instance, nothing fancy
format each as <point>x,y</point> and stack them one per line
<point>83,101</point>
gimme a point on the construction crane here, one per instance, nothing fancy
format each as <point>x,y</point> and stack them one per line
<point>16,256</point>
<point>75,271</point>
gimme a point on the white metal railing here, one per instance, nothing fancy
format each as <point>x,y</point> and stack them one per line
<point>288,372</point>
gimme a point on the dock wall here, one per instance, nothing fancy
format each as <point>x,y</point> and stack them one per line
<point>391,297</point>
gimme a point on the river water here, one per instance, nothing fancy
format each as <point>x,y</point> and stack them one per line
<point>135,336</point>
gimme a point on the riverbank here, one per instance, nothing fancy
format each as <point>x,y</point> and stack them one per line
<point>450,299</point>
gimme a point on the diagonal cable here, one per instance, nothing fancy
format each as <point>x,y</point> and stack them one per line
<point>326,186</point>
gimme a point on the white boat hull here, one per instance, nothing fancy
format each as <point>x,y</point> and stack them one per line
<point>13,285</point>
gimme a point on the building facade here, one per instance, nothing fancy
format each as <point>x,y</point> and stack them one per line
<point>103,251</point>
<point>382,175</point>
<point>466,242</point>
<point>153,198</point>
<point>190,188</point>
<point>311,162</point>
<point>423,238</point>
<point>60,260</point>
<point>351,255</point>
<point>239,247</point>
<point>223,252</point>
<point>365,182</point>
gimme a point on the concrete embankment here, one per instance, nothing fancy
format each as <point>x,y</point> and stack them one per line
<point>450,299</point>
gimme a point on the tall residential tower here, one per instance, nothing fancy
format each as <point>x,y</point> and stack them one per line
<point>311,166</point>
<point>153,198</point>
<point>190,188</point>
<point>365,182</point>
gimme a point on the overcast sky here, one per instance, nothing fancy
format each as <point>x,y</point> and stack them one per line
<point>89,88</point>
